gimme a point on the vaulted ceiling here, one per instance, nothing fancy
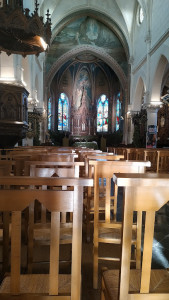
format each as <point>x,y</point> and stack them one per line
<point>102,30</point>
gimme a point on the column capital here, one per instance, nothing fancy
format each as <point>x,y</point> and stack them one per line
<point>131,60</point>
<point>148,37</point>
<point>153,106</point>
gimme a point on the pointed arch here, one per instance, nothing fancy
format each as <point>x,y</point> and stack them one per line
<point>157,80</point>
<point>139,94</point>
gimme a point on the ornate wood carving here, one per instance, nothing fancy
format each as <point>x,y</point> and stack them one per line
<point>13,114</point>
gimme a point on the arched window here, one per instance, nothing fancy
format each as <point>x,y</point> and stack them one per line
<point>102,114</point>
<point>118,108</point>
<point>63,113</point>
<point>49,114</point>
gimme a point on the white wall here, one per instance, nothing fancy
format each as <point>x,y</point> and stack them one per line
<point>6,66</point>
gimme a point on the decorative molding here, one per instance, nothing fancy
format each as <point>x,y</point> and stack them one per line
<point>140,64</point>
<point>153,106</point>
<point>163,38</point>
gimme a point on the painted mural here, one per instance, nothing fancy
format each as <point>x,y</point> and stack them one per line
<point>88,31</point>
<point>82,89</point>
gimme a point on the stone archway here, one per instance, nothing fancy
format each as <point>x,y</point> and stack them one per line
<point>92,50</point>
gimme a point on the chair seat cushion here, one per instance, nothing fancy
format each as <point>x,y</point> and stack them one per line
<point>37,283</point>
<point>113,235</point>
<point>159,282</point>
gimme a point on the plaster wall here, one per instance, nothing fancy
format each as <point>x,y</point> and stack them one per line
<point>6,66</point>
<point>149,70</point>
<point>139,44</point>
<point>160,20</point>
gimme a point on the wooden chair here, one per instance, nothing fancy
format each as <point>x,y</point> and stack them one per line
<point>162,161</point>
<point>131,153</point>
<point>37,156</point>
<point>15,199</point>
<point>89,172</point>
<point>146,283</point>
<point>69,157</point>
<point>111,149</point>
<point>7,168</point>
<point>40,225</point>
<point>120,151</point>
<point>140,154</point>
<point>151,155</point>
<point>107,229</point>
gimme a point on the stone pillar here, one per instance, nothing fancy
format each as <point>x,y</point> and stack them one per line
<point>130,127</point>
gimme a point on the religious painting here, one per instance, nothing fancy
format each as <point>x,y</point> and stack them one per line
<point>82,90</point>
<point>87,31</point>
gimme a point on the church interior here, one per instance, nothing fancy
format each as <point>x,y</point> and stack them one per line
<point>84,149</point>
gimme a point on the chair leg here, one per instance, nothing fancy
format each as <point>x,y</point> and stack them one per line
<point>6,221</point>
<point>30,238</point>
<point>95,265</point>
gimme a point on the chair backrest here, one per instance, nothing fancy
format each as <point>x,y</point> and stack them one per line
<point>140,154</point>
<point>15,199</point>
<point>120,151</point>
<point>7,167</point>
<point>130,153</point>
<point>162,161</point>
<point>143,193</point>
<point>46,168</point>
<point>102,157</point>
<point>69,157</point>
<point>151,155</point>
<point>105,170</point>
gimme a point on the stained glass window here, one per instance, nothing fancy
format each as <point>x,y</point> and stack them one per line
<point>118,108</point>
<point>49,114</point>
<point>63,112</point>
<point>102,114</point>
